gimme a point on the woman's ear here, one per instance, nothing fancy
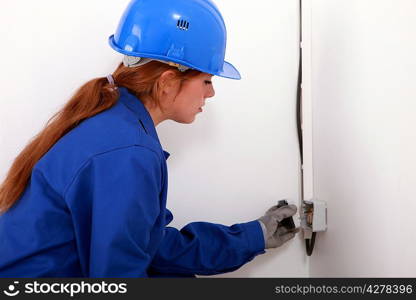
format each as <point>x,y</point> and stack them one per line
<point>168,82</point>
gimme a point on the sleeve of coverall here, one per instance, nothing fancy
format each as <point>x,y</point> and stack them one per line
<point>120,191</point>
<point>207,248</point>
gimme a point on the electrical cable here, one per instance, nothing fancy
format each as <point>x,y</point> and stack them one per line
<point>309,243</point>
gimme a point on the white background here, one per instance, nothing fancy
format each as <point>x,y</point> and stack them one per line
<point>360,79</point>
<point>237,159</point>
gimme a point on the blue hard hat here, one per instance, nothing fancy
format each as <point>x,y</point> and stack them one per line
<point>191,33</point>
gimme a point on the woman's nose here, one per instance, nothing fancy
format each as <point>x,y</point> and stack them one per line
<point>210,92</point>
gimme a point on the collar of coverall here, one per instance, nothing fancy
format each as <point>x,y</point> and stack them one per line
<point>138,108</point>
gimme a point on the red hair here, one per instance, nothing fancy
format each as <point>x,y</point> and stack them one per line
<point>90,99</point>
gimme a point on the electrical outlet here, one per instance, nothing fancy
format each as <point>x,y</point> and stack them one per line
<point>314,216</point>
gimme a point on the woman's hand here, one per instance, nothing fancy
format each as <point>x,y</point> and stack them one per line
<point>275,234</point>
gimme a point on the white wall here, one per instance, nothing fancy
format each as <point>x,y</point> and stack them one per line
<point>236,160</point>
<point>363,96</point>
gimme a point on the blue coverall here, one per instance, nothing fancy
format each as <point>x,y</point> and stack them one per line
<point>95,206</point>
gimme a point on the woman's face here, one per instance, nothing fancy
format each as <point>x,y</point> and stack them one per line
<point>191,97</point>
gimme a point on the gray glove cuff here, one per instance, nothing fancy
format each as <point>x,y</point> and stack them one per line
<point>263,227</point>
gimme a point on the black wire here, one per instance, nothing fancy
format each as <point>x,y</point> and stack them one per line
<point>299,91</point>
<point>309,243</point>
<point>298,109</point>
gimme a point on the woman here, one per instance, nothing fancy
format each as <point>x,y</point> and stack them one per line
<point>87,197</point>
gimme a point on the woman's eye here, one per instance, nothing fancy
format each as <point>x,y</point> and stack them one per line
<point>208,82</point>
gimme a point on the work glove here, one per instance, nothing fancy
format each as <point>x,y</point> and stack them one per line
<point>275,234</point>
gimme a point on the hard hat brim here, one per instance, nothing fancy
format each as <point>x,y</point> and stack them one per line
<point>228,70</point>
